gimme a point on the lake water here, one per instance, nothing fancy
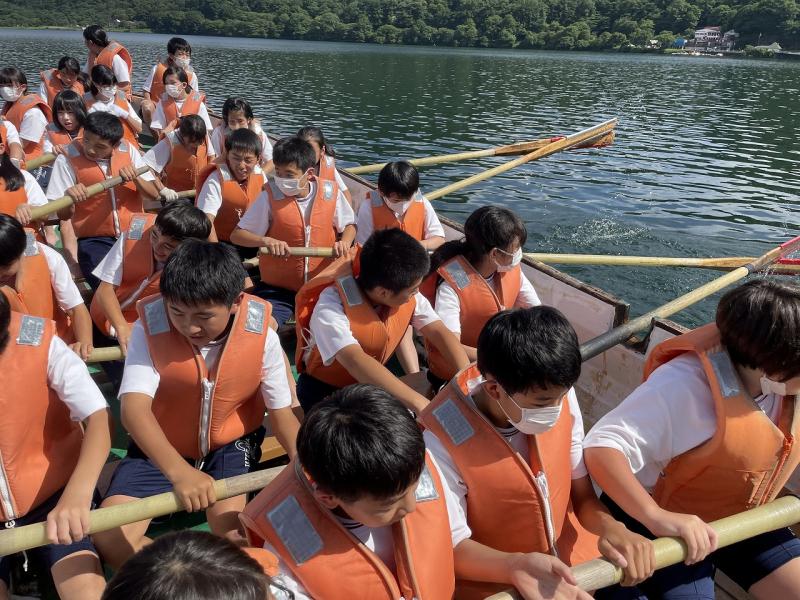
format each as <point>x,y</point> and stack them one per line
<point>705,161</point>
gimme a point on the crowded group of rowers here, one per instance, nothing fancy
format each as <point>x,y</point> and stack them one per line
<point>474,478</point>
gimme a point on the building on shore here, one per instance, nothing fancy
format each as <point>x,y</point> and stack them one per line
<point>711,38</point>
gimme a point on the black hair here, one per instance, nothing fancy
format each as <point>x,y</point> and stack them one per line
<point>234,104</point>
<point>12,177</point>
<point>69,64</point>
<point>180,72</point>
<point>72,102</point>
<point>486,228</point>
<point>315,134</point>
<point>759,325</point>
<point>12,240</point>
<point>101,75</point>
<point>189,565</point>
<point>361,442</point>
<point>96,35</point>
<point>104,125</point>
<point>12,75</point>
<point>182,220</point>
<point>243,140</point>
<point>192,127</point>
<point>178,44</point>
<point>202,272</point>
<point>529,348</point>
<point>393,260</point>
<point>5,322</point>
<point>294,150</point>
<point>399,177</point>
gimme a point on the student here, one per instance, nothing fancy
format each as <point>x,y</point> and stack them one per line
<point>54,444</point>
<point>362,513</point>
<point>19,191</point>
<point>179,54</point>
<point>64,77</point>
<point>202,365</point>
<point>109,54</point>
<point>326,158</point>
<point>104,95</point>
<point>708,434</point>
<point>238,114</point>
<point>69,117</point>
<point>26,111</point>
<point>508,435</point>
<point>195,565</point>
<point>228,188</point>
<point>293,204</point>
<point>350,323</point>
<point>179,99</point>
<point>9,137</point>
<point>100,219</point>
<point>477,277</point>
<point>37,281</point>
<point>180,157</point>
<point>132,269</point>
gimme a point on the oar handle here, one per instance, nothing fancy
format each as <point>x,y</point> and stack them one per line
<point>314,252</point>
<point>39,161</point>
<point>187,194</point>
<point>106,354</point>
<point>18,539</point>
<point>599,573</point>
<point>40,212</point>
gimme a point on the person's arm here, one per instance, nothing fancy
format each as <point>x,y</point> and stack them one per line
<point>277,393</point>
<point>106,297</point>
<point>343,245</point>
<point>432,243</point>
<point>366,369</point>
<point>145,183</point>
<point>284,424</point>
<point>447,344</point>
<point>70,242</point>
<point>82,329</point>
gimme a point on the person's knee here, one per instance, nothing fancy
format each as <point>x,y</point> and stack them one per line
<point>783,583</point>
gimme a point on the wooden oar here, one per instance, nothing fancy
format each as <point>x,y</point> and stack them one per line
<point>618,335</point>
<point>39,212</point>
<point>727,263</point>
<point>507,150</point>
<point>44,159</point>
<point>599,573</point>
<point>106,354</point>
<point>587,135</point>
<point>26,537</point>
<point>320,252</point>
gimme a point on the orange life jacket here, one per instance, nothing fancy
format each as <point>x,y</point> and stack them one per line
<point>378,336</point>
<point>479,301</point>
<point>191,106</point>
<point>728,473</point>
<point>200,411</point>
<point>507,507</point>
<point>287,224</point>
<point>9,201</point>
<point>139,276</point>
<point>412,222</point>
<point>333,564</point>
<point>59,137</point>
<point>40,443</point>
<point>53,85</point>
<point>33,293</point>
<point>16,112</point>
<point>266,559</point>
<point>106,58</point>
<point>236,197</point>
<point>157,85</point>
<point>103,214</point>
<point>183,169</point>
<point>327,168</point>
<point>120,100</point>
<point>3,133</point>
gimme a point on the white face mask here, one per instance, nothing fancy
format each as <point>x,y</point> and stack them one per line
<point>533,421</point>
<point>516,258</point>
<point>399,208</point>
<point>289,186</point>
<point>10,94</point>
<point>174,90</point>
<point>183,63</point>
<point>779,388</point>
<point>107,92</point>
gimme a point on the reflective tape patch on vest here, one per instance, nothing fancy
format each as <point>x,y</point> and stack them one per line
<point>726,374</point>
<point>295,530</point>
<point>254,323</point>
<point>136,230</point>
<point>453,422</point>
<point>426,489</point>
<point>351,292</point>
<point>31,331</point>
<point>155,316</point>
<point>459,275</point>
<point>31,247</point>
<point>327,190</point>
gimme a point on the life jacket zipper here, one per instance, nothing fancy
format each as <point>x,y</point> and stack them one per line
<point>786,449</point>
<point>5,493</point>
<point>206,392</point>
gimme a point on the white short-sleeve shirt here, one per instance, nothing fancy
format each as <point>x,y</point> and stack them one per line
<point>67,294</point>
<point>33,190</point>
<point>218,143</point>
<point>12,135</point>
<point>159,120</point>
<point>148,84</point>
<point>330,328</point>
<point>33,125</point>
<point>209,200</point>
<point>69,378</point>
<point>101,105</point>
<point>433,226</point>
<point>141,377</point>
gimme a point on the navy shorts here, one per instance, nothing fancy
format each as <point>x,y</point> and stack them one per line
<point>49,554</point>
<point>137,476</point>
<point>281,299</point>
<point>92,250</point>
<point>746,563</point>
<point>312,391</point>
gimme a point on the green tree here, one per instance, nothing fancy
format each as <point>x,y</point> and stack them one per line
<point>466,33</point>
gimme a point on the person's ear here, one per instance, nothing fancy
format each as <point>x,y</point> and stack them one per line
<point>237,303</point>
<point>327,499</point>
<point>492,389</point>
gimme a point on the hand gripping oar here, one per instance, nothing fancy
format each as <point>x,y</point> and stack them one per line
<point>40,212</point>
<point>600,573</point>
<point>618,335</point>
<point>105,354</point>
<point>507,150</point>
<point>22,538</point>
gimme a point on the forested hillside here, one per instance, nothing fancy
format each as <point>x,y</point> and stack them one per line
<point>556,24</point>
